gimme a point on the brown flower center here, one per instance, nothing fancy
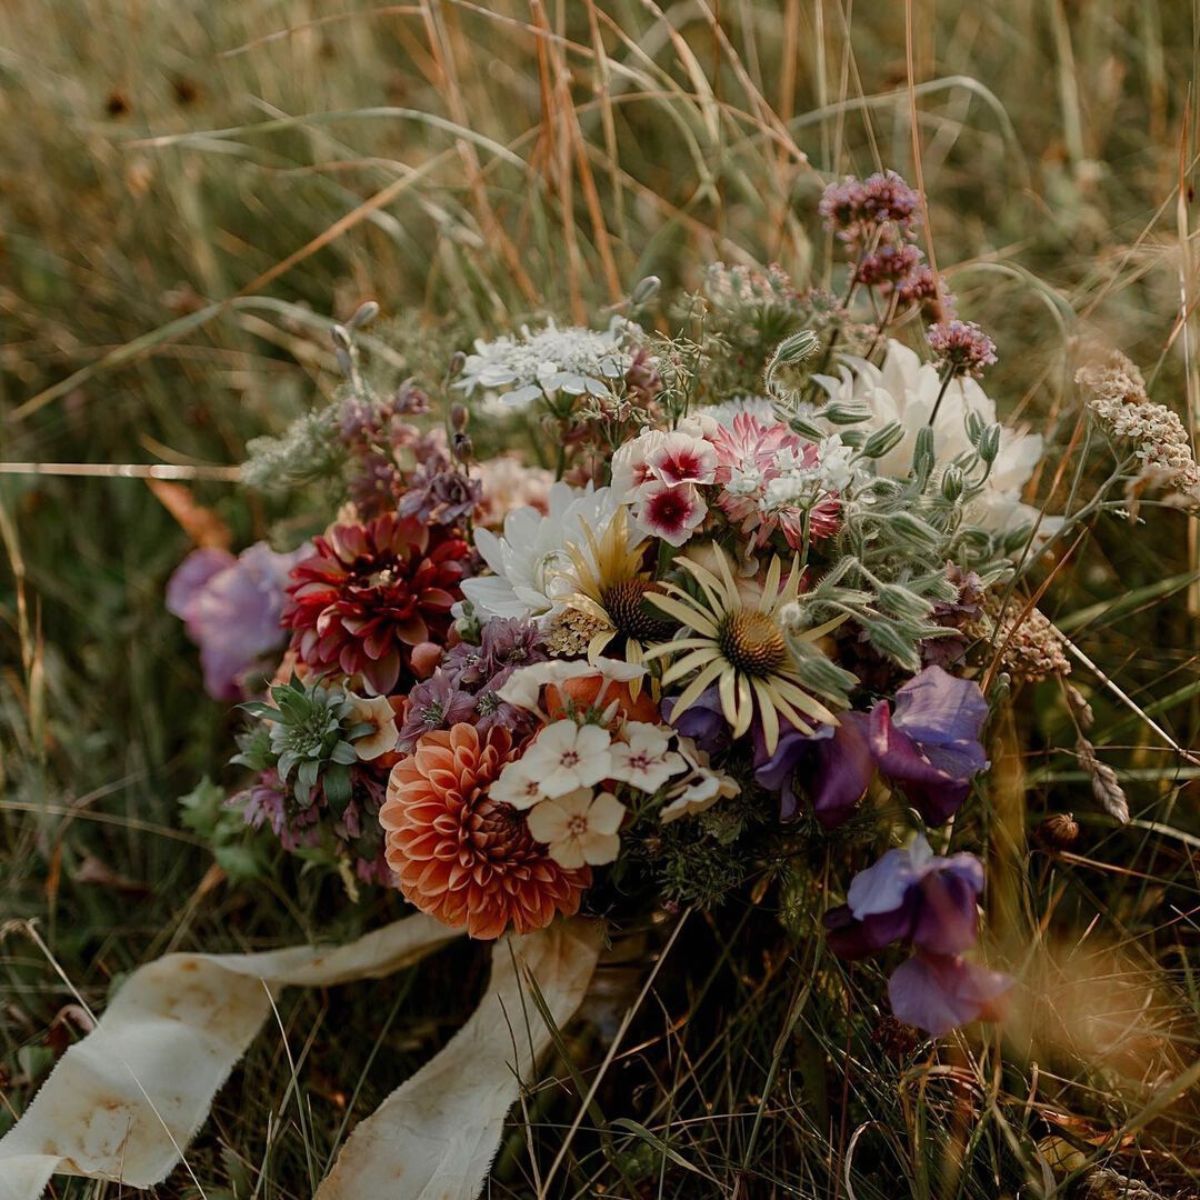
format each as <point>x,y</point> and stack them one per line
<point>625,603</point>
<point>751,642</point>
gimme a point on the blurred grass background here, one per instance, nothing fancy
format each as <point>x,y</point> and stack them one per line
<point>189,191</point>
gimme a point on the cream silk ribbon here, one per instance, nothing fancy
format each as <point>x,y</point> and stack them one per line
<point>123,1103</point>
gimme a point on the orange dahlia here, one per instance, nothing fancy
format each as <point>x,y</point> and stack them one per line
<point>461,856</point>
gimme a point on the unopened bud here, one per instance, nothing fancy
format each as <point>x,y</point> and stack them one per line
<point>364,315</point>
<point>463,447</point>
<point>989,444</point>
<point>883,441</point>
<point>952,483</point>
<point>923,457</point>
<point>460,415</point>
<point>457,362</point>
<point>646,290</point>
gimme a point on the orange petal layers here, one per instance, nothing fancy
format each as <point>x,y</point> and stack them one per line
<point>461,856</point>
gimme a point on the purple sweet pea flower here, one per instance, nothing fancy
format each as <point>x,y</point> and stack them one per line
<point>703,720</point>
<point>910,895</point>
<point>930,744</point>
<point>938,993</point>
<point>838,763</point>
<point>232,608</point>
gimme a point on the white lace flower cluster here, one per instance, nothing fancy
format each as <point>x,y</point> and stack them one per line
<point>515,371</point>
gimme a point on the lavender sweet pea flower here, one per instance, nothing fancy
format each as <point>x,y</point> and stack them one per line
<point>703,721</point>
<point>232,608</point>
<point>938,993</point>
<point>930,744</point>
<point>838,767</point>
<point>910,895</point>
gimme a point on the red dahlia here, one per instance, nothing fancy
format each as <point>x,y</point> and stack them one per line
<point>370,591</point>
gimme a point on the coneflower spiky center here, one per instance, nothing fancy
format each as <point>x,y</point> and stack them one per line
<point>625,603</point>
<point>752,642</point>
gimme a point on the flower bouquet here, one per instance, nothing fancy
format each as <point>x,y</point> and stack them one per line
<point>605,625</point>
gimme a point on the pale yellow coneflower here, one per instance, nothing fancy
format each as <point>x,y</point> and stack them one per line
<point>739,646</point>
<point>612,588</point>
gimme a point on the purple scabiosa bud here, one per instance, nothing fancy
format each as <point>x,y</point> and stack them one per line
<point>887,197</point>
<point>961,348</point>
<point>926,289</point>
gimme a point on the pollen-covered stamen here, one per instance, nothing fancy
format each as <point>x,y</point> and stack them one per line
<point>625,603</point>
<point>752,642</point>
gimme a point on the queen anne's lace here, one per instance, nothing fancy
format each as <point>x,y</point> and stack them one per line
<point>519,370</point>
<point>1117,396</point>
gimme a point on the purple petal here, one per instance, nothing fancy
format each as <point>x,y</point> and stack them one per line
<point>704,721</point>
<point>934,775</point>
<point>885,885</point>
<point>192,574</point>
<point>840,768</point>
<point>947,915</point>
<point>938,993</point>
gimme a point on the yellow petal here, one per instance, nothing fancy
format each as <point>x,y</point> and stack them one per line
<point>768,715</point>
<point>689,662</point>
<point>690,616</point>
<point>745,706</point>
<point>692,692</point>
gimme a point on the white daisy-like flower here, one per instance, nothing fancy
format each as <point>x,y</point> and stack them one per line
<point>905,389</point>
<point>517,785</point>
<point>383,736</point>
<point>567,756</point>
<point>579,829</point>
<point>644,758</point>
<point>530,563</point>
<point>700,789</point>
<point>519,370</point>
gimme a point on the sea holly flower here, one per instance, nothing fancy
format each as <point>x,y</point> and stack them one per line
<point>910,895</point>
<point>643,757</point>
<point>836,764</point>
<point>929,744</point>
<point>232,609</point>
<point>566,756</point>
<point>579,829</point>
<point>371,592</point>
<point>938,993</point>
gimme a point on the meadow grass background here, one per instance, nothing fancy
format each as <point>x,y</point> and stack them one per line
<point>190,191</point>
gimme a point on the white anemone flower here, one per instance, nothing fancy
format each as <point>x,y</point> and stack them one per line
<point>905,389</point>
<point>530,562</point>
<point>579,829</point>
<point>518,370</point>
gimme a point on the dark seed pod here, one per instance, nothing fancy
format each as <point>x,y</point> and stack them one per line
<point>1059,831</point>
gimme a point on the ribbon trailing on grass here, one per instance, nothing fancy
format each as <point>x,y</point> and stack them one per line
<point>123,1103</point>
